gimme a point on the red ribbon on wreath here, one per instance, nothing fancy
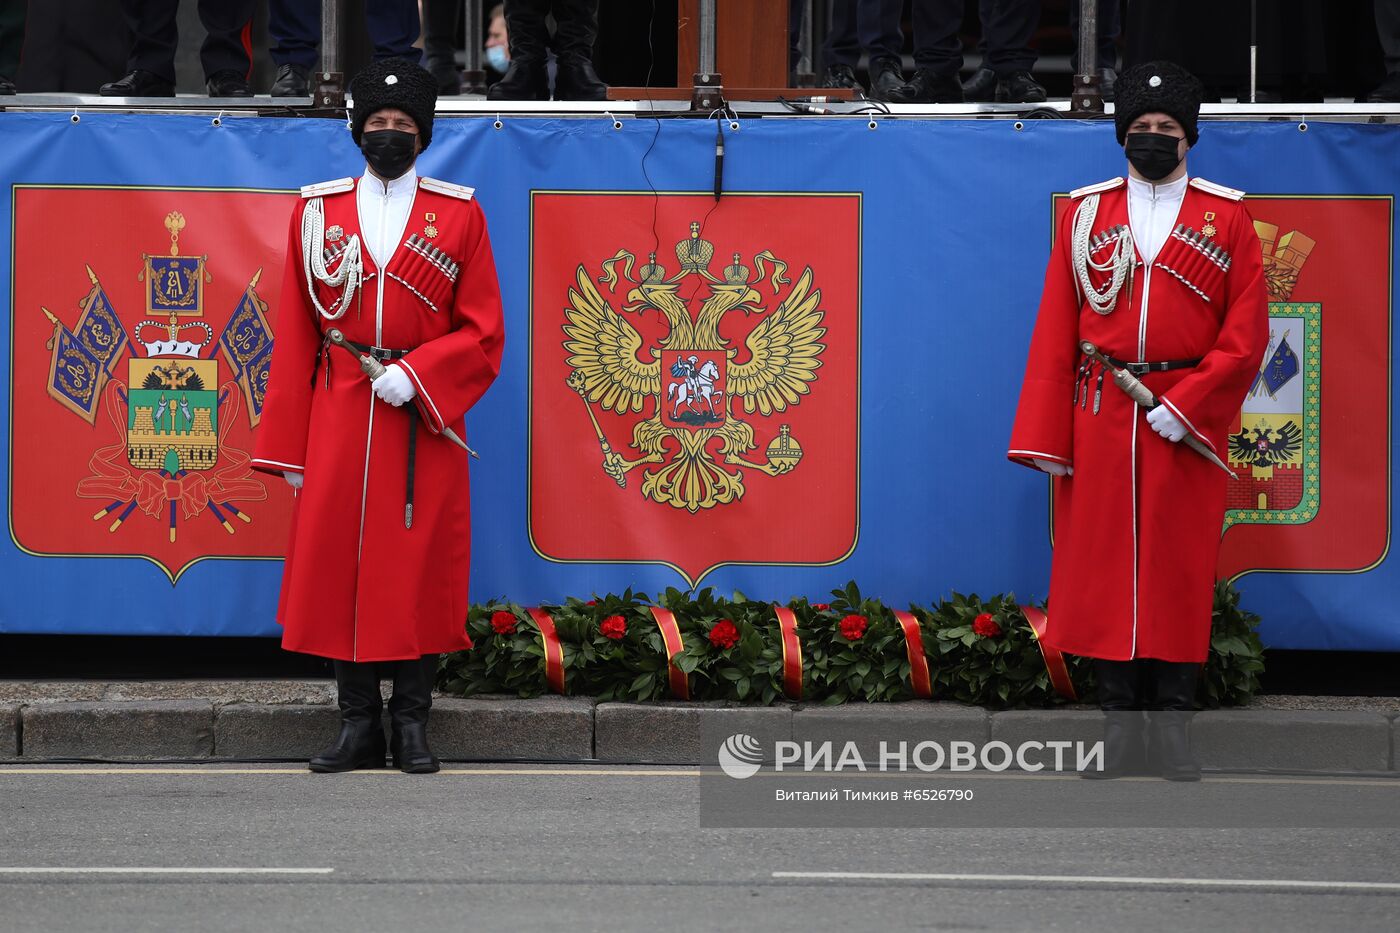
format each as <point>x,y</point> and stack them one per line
<point>1054,659</point>
<point>553,651</point>
<point>919,677</point>
<point>671,636</point>
<point>792,652</point>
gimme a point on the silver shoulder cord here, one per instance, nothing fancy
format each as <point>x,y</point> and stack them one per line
<point>349,273</point>
<point>1119,261</point>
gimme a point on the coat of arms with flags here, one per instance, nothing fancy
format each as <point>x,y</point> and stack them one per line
<point>132,430</point>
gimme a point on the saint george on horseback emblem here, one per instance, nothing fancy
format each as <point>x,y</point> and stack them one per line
<point>695,395</point>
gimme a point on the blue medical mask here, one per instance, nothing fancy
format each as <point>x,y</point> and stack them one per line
<point>496,58</point>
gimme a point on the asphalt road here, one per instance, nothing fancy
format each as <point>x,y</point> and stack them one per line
<point>592,848</point>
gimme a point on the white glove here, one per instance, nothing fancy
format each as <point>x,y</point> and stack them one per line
<point>394,386</point>
<point>1052,467</point>
<point>1166,424</point>
<point>293,479</point>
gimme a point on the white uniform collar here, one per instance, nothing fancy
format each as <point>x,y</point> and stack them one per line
<point>394,187</point>
<point>1171,190</point>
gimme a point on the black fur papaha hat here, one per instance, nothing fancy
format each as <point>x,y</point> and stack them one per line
<point>394,82</point>
<point>1157,87</point>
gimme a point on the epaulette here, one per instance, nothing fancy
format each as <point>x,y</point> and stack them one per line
<point>1095,189</point>
<point>447,188</point>
<point>327,187</point>
<point>1210,187</point>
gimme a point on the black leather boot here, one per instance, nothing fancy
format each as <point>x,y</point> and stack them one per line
<point>1120,699</point>
<point>575,79</point>
<point>408,715</point>
<point>1169,738</point>
<point>361,740</point>
<point>525,79</point>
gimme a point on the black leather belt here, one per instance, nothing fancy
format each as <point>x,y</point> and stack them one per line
<point>1139,369</point>
<point>382,354</point>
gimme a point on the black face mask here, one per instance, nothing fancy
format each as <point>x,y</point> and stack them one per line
<point>1152,154</point>
<point>389,152</point>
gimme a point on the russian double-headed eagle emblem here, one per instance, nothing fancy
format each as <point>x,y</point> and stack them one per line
<point>694,381</point>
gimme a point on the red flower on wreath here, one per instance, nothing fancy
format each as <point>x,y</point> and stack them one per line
<point>986,626</point>
<point>613,627</point>
<point>724,634</point>
<point>853,627</point>
<point>502,622</point>
<point>591,602</point>
<point>821,607</point>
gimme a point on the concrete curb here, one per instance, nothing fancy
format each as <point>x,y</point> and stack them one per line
<point>293,721</point>
<point>120,729</point>
<point>9,730</point>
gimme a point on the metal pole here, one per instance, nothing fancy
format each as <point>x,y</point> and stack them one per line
<point>706,92</point>
<point>805,43</point>
<point>1087,97</point>
<point>821,26</point>
<point>474,76</point>
<point>707,37</point>
<point>330,83</point>
<point>1253,50</point>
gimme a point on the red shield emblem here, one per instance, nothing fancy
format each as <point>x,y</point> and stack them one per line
<point>139,361</point>
<point>692,398</point>
<point>1313,487</point>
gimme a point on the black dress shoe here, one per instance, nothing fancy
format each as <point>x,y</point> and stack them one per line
<point>981,87</point>
<point>525,79</point>
<point>359,745</point>
<point>575,79</point>
<point>842,76</point>
<point>6,85</point>
<point>929,87</point>
<point>292,81</point>
<point>138,84</point>
<point>228,84</point>
<point>1020,88</point>
<point>886,75</point>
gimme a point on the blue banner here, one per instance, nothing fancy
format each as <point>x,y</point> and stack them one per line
<point>926,239</point>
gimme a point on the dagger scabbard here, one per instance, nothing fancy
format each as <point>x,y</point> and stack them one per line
<point>1144,398</point>
<point>374,369</point>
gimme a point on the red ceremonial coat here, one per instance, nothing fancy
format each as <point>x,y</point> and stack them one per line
<point>358,585</point>
<point>1138,524</point>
